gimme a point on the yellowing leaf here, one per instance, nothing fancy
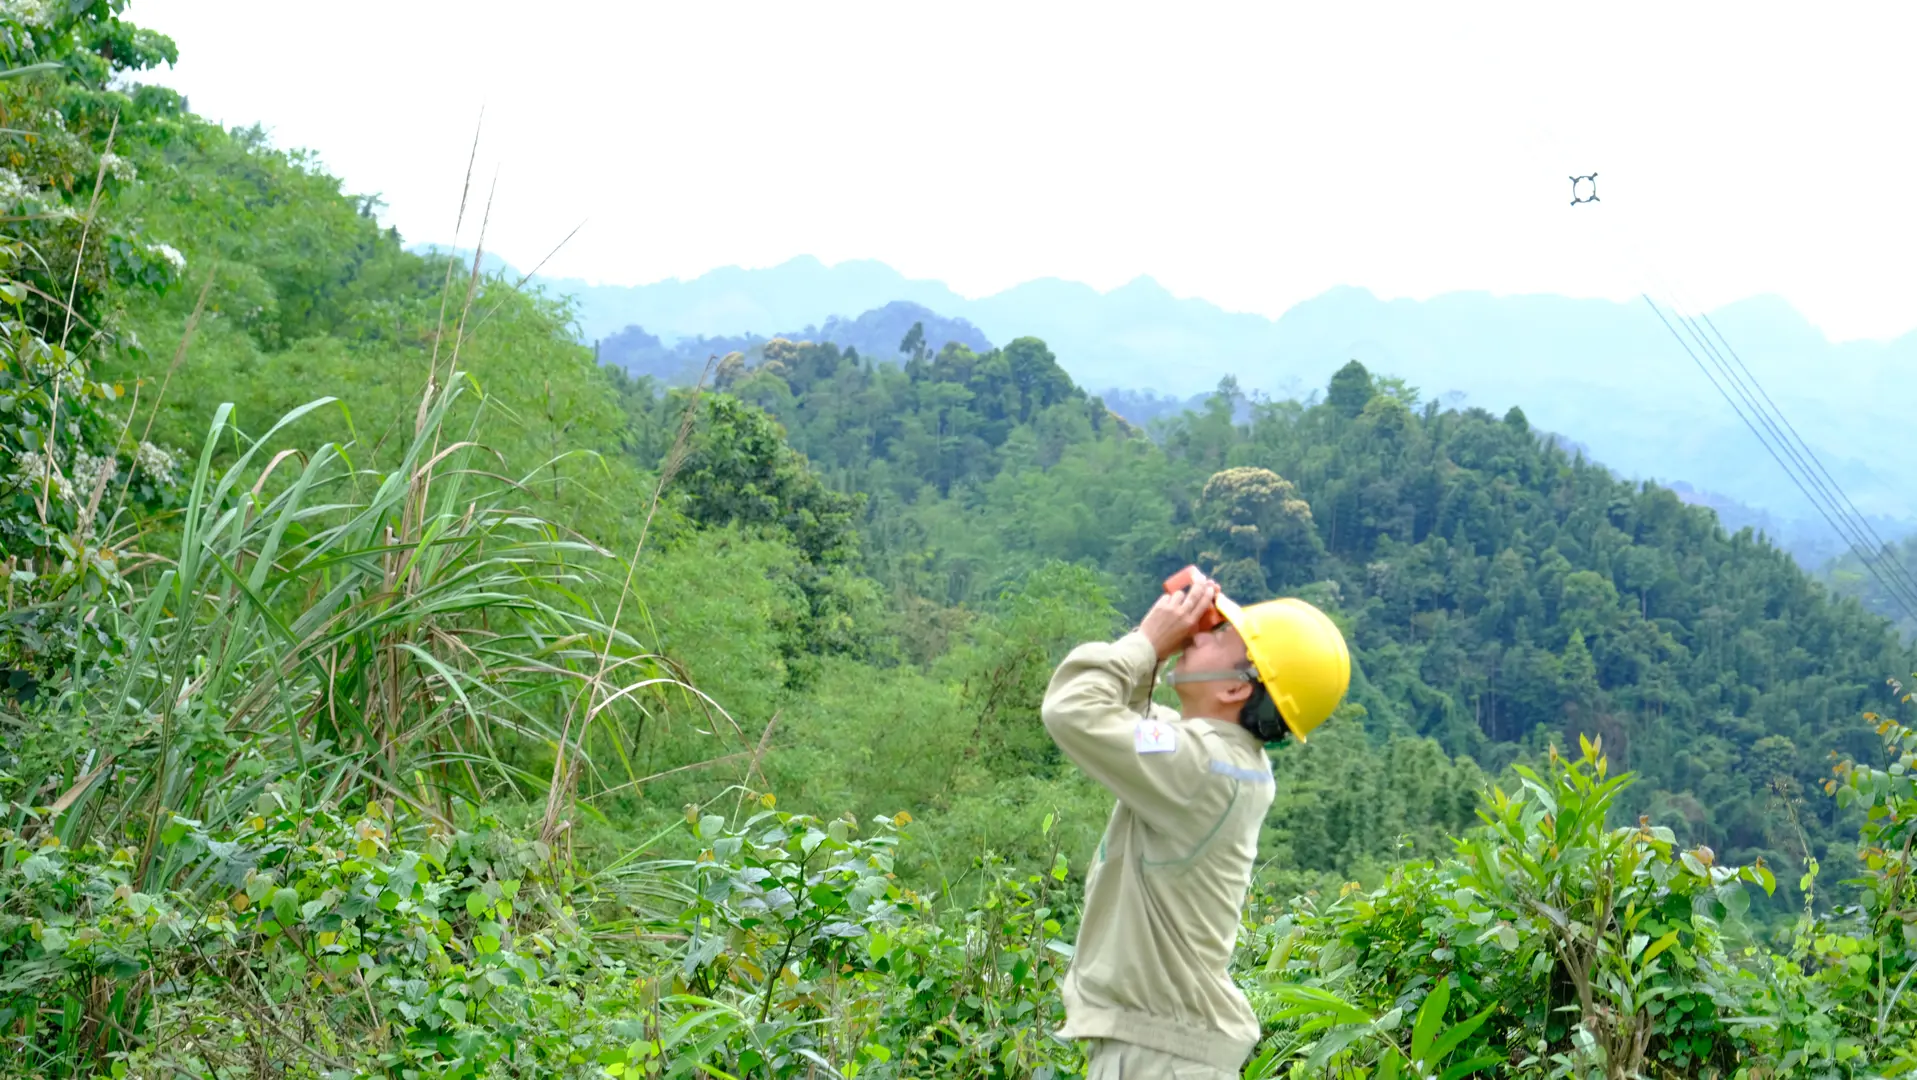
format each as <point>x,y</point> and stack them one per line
<point>1657,947</point>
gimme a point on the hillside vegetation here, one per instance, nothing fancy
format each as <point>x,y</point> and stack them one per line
<point>391,690</point>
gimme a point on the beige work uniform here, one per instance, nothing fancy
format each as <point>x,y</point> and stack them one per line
<point>1114,1060</point>
<point>1163,897</point>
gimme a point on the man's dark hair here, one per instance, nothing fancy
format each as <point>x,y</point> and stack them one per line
<point>1260,714</point>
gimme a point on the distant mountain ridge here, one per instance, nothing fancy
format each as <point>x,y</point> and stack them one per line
<point>876,334</point>
<point>1606,373</point>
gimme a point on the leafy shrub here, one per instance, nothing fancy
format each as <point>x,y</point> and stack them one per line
<point>1561,946</point>
<point>805,920</point>
<point>324,943</point>
<point>332,944</point>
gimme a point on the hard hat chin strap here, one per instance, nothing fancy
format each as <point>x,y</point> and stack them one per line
<point>1180,678</point>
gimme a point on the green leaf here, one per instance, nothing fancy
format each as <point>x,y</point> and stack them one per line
<point>31,69</point>
<point>286,906</point>
<point>1430,1016</point>
<point>1466,1068</point>
<point>1456,1034</point>
<point>1308,1001</point>
<point>1663,943</point>
<point>1734,898</point>
<point>1334,1042</point>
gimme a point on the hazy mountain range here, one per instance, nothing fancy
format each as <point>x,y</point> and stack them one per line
<point>1607,375</point>
<point>876,333</point>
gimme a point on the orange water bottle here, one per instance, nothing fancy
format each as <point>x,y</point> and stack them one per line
<point>1187,578</point>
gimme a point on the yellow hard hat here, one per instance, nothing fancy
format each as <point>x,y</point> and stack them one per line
<point>1300,656</point>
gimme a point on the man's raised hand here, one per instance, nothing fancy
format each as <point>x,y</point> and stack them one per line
<point>1171,622</point>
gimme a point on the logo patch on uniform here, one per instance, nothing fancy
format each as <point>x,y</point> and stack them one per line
<point>1154,737</point>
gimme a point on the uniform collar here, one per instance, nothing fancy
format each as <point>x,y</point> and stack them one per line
<point>1231,730</point>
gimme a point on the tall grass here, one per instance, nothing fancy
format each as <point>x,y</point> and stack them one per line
<point>411,635</point>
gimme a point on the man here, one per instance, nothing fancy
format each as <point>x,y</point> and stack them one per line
<point>1149,985</point>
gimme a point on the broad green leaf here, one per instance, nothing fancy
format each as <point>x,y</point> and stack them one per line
<point>1430,1017</point>
<point>1467,1067</point>
<point>31,69</point>
<point>1735,900</point>
<point>1333,1043</point>
<point>1657,948</point>
<point>286,906</point>
<point>1456,1034</point>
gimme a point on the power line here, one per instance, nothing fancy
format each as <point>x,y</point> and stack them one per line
<point>1855,530</point>
<point>1829,498</point>
<point>1908,604</point>
<point>1897,569</point>
<point>1851,530</point>
<point>1826,506</point>
<point>1846,526</point>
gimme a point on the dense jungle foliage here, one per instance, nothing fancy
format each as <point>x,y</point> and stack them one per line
<point>391,690</point>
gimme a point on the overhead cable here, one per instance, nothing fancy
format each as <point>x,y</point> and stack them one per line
<point>1829,514</point>
<point>1830,496</point>
<point>1906,581</point>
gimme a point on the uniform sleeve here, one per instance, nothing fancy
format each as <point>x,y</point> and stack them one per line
<point>1093,711</point>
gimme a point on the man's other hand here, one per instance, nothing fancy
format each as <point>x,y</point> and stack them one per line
<point>1171,622</point>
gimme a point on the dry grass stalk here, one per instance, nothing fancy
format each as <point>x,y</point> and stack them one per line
<point>675,458</point>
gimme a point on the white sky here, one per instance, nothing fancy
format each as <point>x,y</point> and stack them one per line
<point>1251,154</point>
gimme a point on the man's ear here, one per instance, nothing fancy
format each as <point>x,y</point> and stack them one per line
<point>1235,693</point>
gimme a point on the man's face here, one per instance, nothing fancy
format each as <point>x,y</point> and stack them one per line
<point>1217,649</point>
